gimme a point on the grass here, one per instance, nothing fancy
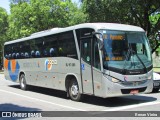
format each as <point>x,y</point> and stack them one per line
<point>156,70</point>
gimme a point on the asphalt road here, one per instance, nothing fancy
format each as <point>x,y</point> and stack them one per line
<point>12,98</point>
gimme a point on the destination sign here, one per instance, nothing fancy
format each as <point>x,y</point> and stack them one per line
<point>116,37</point>
<point>113,37</point>
<point>114,58</point>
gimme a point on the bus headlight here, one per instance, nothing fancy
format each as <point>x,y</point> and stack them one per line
<point>115,80</point>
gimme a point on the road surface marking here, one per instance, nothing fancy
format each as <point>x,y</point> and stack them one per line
<point>132,106</point>
<point>111,109</point>
<point>42,100</point>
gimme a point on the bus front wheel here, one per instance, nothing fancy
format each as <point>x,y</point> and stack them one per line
<point>22,81</point>
<point>74,90</point>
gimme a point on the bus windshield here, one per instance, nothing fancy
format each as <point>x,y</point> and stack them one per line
<point>126,50</point>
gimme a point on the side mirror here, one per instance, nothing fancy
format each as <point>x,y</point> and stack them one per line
<point>158,35</point>
<point>99,37</point>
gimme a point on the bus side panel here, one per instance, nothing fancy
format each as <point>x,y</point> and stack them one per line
<point>67,66</point>
<point>39,72</point>
<point>11,70</point>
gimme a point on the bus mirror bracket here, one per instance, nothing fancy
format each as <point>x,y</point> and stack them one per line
<point>99,37</point>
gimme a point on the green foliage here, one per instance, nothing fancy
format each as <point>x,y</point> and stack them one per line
<point>101,10</point>
<point>29,16</point>
<point>143,13</point>
<point>3,25</point>
<point>154,18</point>
<point>37,15</point>
<point>76,15</point>
<point>135,12</point>
<point>3,30</point>
<point>19,24</point>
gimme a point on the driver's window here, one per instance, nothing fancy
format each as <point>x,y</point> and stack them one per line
<point>96,58</point>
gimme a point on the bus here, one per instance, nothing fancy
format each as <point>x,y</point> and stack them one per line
<point>99,59</point>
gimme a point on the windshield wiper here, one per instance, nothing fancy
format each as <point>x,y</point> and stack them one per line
<point>145,69</point>
<point>130,53</point>
<point>127,58</point>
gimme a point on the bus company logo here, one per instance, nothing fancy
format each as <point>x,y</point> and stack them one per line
<point>13,68</point>
<point>47,65</point>
<point>125,78</point>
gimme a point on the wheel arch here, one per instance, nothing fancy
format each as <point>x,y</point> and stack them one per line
<point>68,78</point>
<point>20,73</point>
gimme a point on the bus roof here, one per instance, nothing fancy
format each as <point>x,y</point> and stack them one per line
<point>96,26</point>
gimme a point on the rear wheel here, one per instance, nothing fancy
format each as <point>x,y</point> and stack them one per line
<point>22,81</point>
<point>155,90</point>
<point>74,90</point>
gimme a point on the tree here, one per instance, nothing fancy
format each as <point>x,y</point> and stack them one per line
<point>136,12</point>
<point>29,16</point>
<point>76,15</point>
<point>19,24</point>
<point>18,1</point>
<point>104,10</point>
<point>3,24</point>
<point>154,19</point>
<point>3,30</point>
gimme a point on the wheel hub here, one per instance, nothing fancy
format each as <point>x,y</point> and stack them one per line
<point>22,83</point>
<point>74,90</point>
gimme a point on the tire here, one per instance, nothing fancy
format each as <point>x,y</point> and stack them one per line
<point>22,81</point>
<point>74,93</point>
<point>155,90</point>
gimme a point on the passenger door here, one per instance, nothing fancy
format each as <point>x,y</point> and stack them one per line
<point>90,65</point>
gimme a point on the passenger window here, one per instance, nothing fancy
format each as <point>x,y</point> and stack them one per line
<point>95,52</point>
<point>52,52</point>
<point>45,53</point>
<point>32,54</point>
<point>17,55</point>
<point>86,50</point>
<point>38,54</point>
<point>22,55</point>
<point>26,55</point>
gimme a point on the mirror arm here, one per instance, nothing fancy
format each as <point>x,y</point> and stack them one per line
<point>99,39</point>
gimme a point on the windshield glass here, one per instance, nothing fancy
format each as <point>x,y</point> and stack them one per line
<point>126,50</point>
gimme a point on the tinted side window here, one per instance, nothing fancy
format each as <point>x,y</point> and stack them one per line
<point>11,51</point>
<point>27,49</point>
<point>95,53</point>
<point>62,44</point>
<point>38,47</point>
<point>7,51</point>
<point>50,46</point>
<point>83,32</point>
<point>86,50</point>
<point>66,45</point>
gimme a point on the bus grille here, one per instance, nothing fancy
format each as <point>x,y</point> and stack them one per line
<point>133,83</point>
<point>127,91</point>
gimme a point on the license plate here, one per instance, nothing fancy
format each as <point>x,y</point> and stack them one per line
<point>134,91</point>
<point>156,84</point>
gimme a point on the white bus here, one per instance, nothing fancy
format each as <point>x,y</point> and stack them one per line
<point>100,59</point>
